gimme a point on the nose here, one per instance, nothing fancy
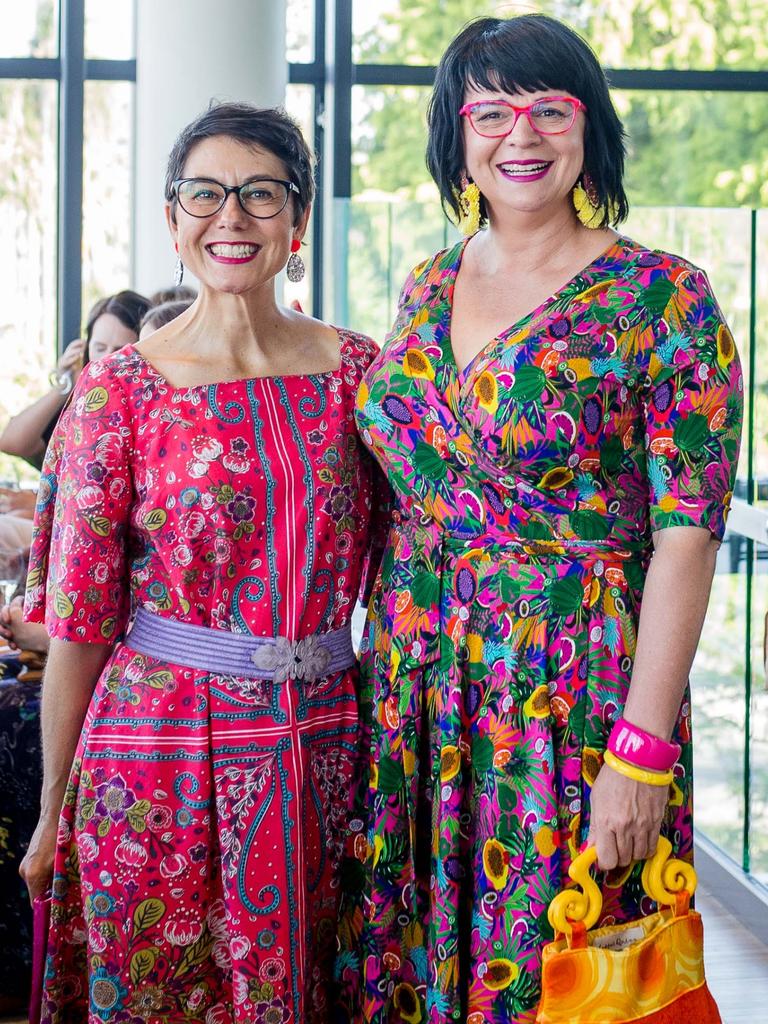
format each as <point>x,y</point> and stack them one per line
<point>232,212</point>
<point>523,134</point>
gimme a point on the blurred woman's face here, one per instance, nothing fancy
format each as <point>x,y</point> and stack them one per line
<point>108,335</point>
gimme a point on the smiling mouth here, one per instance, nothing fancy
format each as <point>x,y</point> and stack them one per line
<point>525,169</point>
<point>233,250</point>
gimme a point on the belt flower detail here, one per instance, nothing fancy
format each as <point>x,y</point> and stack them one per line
<point>284,659</point>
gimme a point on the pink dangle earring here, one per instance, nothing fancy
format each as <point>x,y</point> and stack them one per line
<point>295,269</point>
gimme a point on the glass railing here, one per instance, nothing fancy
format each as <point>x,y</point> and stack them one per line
<point>380,240</point>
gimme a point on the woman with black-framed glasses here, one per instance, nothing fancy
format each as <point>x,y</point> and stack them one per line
<point>558,410</point>
<point>203,539</point>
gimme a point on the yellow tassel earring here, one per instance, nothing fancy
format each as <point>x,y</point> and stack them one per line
<point>469,207</point>
<point>588,209</point>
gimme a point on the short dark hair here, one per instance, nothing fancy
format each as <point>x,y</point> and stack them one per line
<point>129,308</point>
<point>525,54</point>
<point>162,314</point>
<point>269,128</point>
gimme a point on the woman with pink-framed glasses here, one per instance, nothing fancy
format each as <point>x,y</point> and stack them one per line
<point>558,409</point>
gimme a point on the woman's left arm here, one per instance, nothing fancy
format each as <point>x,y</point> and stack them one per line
<point>626,816</point>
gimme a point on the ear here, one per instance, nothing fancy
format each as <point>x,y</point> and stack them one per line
<point>300,227</point>
<point>170,220</point>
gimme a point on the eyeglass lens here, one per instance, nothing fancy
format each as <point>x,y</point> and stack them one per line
<point>550,117</point>
<point>202,198</point>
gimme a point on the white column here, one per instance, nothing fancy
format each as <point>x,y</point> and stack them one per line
<point>189,52</point>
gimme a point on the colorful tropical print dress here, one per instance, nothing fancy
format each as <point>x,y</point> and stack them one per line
<point>501,632</point>
<point>196,877</point>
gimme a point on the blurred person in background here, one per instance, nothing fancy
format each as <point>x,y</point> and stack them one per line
<point>175,293</point>
<point>159,316</point>
<point>112,323</point>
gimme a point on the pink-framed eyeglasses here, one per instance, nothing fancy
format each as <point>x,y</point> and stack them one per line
<point>493,119</point>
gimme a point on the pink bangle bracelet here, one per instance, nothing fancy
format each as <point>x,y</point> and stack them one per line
<point>641,748</point>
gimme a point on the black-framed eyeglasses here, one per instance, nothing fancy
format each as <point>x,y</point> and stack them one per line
<point>261,198</point>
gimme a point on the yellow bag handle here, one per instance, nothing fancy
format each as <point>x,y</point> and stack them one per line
<point>663,879</point>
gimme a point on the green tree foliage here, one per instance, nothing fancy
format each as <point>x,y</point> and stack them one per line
<point>684,148</point>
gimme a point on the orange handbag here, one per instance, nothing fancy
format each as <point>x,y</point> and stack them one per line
<point>650,970</point>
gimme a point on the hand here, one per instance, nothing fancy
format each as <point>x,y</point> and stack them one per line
<point>21,635</point>
<point>37,867</point>
<point>20,503</point>
<point>71,360</point>
<point>625,819</point>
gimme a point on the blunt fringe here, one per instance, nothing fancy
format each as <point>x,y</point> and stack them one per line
<point>523,54</point>
<point>269,128</point>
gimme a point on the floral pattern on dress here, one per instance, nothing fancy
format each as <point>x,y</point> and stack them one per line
<point>197,873</point>
<point>502,630</point>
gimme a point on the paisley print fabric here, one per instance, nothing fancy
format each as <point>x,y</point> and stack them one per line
<point>501,633</point>
<point>196,877</point>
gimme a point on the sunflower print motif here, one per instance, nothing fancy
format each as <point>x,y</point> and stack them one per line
<point>502,628</point>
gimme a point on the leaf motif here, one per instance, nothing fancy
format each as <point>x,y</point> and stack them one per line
<point>390,776</point>
<point>103,827</point>
<point>96,399</point>
<point>138,822</point>
<point>147,913</point>
<point>690,434</point>
<point>429,461</point>
<point>100,525</point>
<point>566,595</point>
<point>589,525</point>
<point>108,627</point>
<point>425,589</point>
<point>62,605</point>
<point>157,680</point>
<point>529,383</point>
<point>35,577</point>
<point>142,962</point>
<point>482,754</point>
<point>155,519</point>
<point>195,954</point>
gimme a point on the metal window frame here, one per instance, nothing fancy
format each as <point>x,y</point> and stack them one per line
<point>71,70</point>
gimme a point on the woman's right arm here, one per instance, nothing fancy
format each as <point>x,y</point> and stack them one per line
<point>25,433</point>
<point>71,674</point>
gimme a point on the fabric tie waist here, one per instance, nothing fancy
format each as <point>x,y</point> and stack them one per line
<point>223,653</point>
<point>416,590</point>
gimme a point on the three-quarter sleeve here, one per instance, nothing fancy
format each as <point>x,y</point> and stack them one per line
<point>77,581</point>
<point>693,404</point>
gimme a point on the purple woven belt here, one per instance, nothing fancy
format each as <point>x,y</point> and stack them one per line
<point>241,654</point>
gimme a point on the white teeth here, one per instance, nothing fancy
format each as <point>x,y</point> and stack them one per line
<point>523,168</point>
<point>236,252</point>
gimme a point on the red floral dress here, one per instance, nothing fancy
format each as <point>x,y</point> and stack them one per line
<point>196,875</point>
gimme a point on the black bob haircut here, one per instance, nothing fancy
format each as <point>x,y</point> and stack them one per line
<point>268,128</point>
<point>524,54</point>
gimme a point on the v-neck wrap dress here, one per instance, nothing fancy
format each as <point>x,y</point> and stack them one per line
<point>502,629</point>
<point>197,872</point>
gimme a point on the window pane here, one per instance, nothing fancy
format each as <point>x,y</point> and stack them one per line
<point>29,29</point>
<point>107,163</point>
<point>695,149</point>
<point>28,241</point>
<point>624,33</point>
<point>109,30</point>
<point>300,31</point>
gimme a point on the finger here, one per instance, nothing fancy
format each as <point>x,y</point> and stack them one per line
<point>607,851</point>
<point>624,844</point>
<point>640,847</point>
<point>652,841</point>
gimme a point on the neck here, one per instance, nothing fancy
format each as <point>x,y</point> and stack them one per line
<point>234,328</point>
<point>518,240</point>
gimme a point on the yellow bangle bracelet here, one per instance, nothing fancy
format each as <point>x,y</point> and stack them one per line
<point>631,771</point>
